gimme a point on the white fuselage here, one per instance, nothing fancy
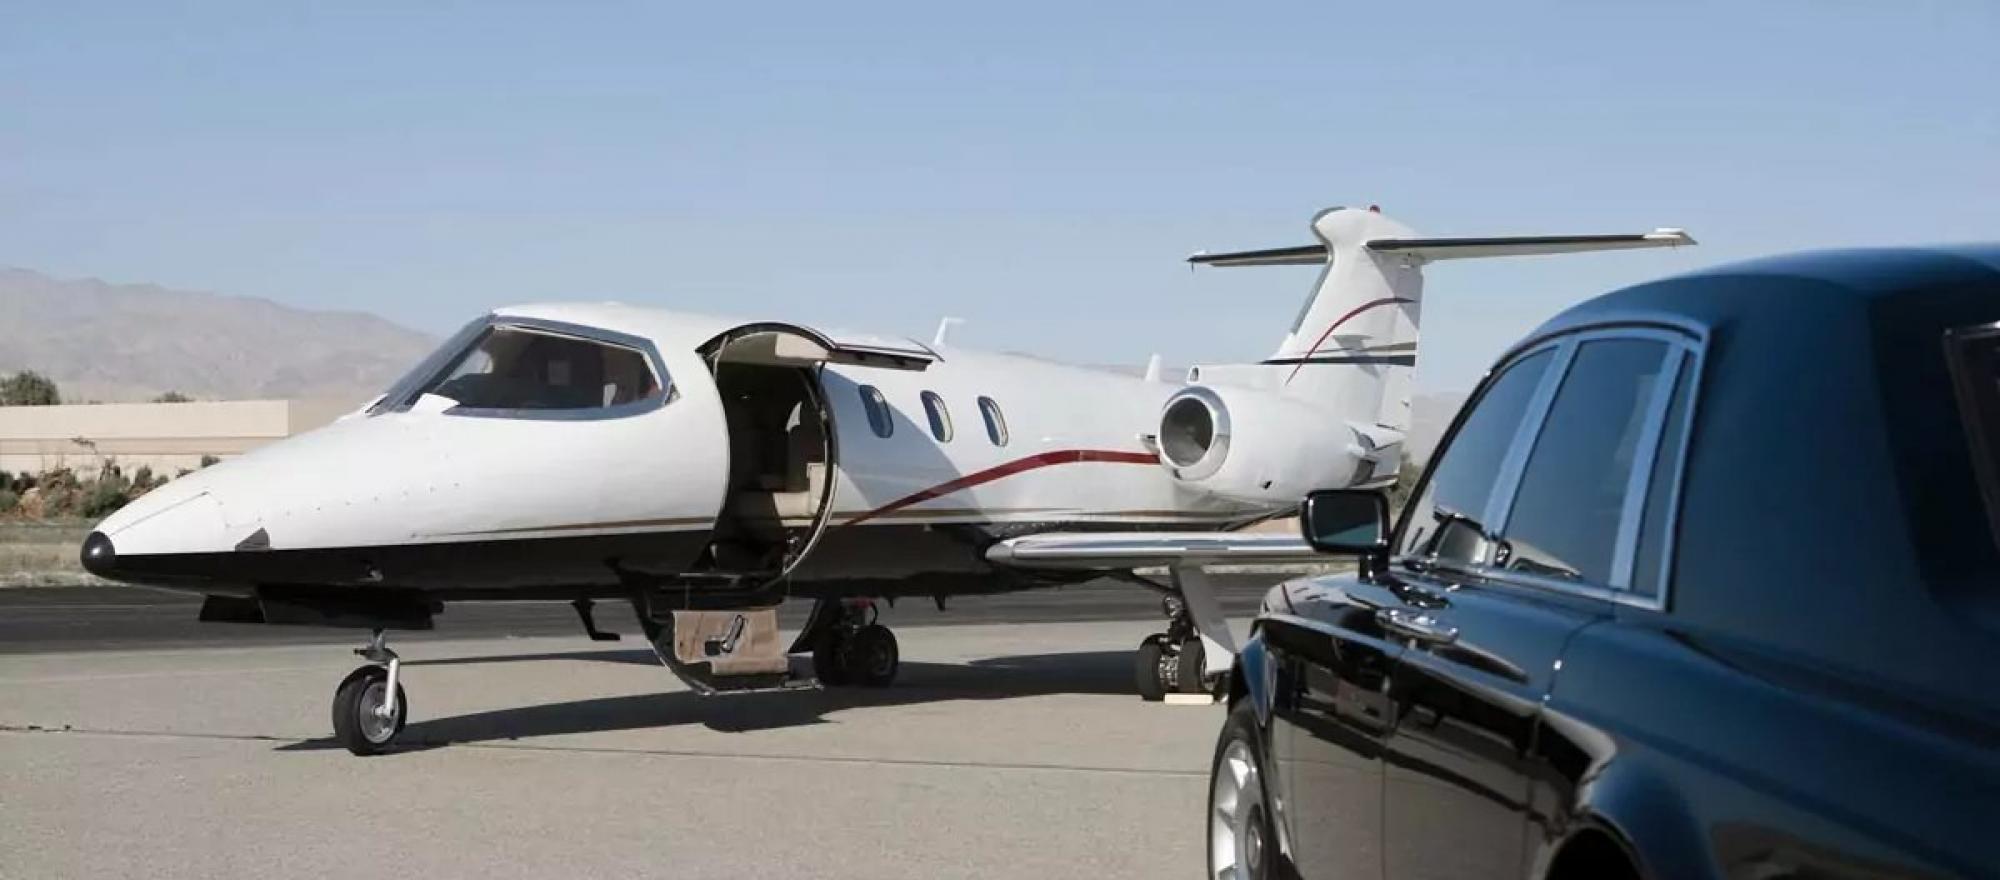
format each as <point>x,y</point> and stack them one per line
<point>438,498</point>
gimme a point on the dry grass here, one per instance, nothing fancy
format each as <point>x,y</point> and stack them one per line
<point>42,553</point>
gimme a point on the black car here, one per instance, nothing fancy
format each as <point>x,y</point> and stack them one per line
<point>1704,582</point>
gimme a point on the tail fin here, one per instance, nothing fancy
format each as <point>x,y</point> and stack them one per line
<point>1354,343</point>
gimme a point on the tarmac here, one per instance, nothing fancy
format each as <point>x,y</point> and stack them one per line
<point>1005,749</point>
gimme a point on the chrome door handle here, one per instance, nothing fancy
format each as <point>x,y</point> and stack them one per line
<point>1420,627</point>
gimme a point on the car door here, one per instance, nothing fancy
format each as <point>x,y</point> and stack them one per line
<point>1334,705</point>
<point>1485,626</point>
<point>1330,712</point>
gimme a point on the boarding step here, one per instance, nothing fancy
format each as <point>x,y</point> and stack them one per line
<point>734,650</point>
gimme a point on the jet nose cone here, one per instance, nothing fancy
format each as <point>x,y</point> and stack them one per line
<point>99,557</point>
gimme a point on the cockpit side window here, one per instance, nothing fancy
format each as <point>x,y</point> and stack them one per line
<point>526,369</point>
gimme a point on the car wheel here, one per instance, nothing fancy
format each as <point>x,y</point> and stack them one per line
<point>1242,839</point>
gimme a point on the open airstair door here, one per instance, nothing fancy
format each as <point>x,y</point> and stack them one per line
<point>781,486</point>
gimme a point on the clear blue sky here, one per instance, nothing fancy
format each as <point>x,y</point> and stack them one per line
<point>1040,170</point>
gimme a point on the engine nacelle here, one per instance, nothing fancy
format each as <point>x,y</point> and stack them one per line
<point>1259,448</point>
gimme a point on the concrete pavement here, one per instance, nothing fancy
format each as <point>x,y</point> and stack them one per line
<point>1005,750</point>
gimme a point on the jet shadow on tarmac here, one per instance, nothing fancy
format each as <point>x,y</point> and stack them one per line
<point>1089,672</point>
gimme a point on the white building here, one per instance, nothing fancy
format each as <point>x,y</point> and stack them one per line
<point>167,437</point>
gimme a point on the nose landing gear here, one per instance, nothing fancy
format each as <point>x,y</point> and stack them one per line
<point>369,707</point>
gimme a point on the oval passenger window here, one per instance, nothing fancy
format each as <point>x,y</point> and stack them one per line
<point>996,424</point>
<point>879,417</point>
<point>939,416</point>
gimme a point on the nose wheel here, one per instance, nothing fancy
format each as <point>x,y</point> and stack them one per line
<point>369,707</point>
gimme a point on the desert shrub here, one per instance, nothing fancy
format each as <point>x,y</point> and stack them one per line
<point>209,460</point>
<point>57,479</point>
<point>1405,485</point>
<point>100,498</point>
<point>173,397</point>
<point>8,501</point>
<point>28,388</point>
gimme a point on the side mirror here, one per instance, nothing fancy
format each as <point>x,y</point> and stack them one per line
<point>1348,521</point>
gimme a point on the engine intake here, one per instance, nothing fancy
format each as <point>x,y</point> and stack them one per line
<point>1261,448</point>
<point>1194,433</point>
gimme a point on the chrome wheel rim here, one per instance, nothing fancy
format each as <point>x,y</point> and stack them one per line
<point>375,728</point>
<point>1237,848</point>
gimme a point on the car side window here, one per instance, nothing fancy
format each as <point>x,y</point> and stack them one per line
<point>1649,571</point>
<point>1444,522</point>
<point>1565,516</point>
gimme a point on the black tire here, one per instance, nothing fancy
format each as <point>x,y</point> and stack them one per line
<point>1188,670</point>
<point>828,664</point>
<point>1269,862</point>
<point>1146,669</point>
<point>354,702</point>
<point>871,658</point>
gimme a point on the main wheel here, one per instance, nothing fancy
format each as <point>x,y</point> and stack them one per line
<point>1188,668</point>
<point>1146,669</point>
<point>871,657</point>
<point>828,664</point>
<point>356,723</point>
<point>1242,839</point>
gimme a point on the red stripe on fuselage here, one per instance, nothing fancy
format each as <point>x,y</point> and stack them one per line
<point>1019,465</point>
<point>1387,300</point>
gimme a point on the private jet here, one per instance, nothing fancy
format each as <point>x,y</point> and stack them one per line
<point>705,469</point>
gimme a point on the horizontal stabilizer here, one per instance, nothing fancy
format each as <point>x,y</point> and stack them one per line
<point>1427,249</point>
<point>1526,245</point>
<point>1307,255</point>
<point>1110,551</point>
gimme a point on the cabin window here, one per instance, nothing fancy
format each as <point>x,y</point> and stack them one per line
<point>996,424</point>
<point>523,368</point>
<point>939,416</point>
<point>879,417</point>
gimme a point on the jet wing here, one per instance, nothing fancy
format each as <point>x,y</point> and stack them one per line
<point>1111,551</point>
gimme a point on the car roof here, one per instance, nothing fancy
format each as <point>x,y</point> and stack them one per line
<point>1833,282</point>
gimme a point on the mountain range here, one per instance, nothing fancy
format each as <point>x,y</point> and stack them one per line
<point>127,342</point>
<point>132,342</point>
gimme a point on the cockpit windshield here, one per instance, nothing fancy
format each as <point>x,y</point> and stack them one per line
<point>522,367</point>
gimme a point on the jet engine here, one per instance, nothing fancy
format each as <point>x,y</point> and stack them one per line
<point>1260,448</point>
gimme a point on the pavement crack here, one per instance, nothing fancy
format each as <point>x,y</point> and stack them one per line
<point>417,746</point>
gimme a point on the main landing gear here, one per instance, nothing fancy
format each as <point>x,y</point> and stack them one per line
<point>1194,654</point>
<point>850,647</point>
<point>1170,662</point>
<point>369,707</point>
